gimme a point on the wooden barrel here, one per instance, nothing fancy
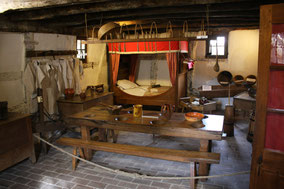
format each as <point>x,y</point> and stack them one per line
<point>229,116</point>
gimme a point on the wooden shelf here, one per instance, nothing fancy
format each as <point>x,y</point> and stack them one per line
<point>220,91</point>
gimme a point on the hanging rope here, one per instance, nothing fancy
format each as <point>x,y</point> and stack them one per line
<point>207,18</point>
<point>86,20</point>
<point>136,175</point>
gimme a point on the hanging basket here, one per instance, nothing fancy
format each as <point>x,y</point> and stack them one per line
<point>185,29</point>
<point>169,31</point>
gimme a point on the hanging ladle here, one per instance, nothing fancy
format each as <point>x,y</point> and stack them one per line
<point>216,67</point>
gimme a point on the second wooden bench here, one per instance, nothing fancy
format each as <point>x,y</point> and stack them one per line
<point>150,152</point>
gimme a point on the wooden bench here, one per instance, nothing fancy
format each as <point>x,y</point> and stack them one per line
<point>150,152</point>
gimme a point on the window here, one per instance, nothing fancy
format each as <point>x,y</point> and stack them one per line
<point>217,45</point>
<point>82,50</point>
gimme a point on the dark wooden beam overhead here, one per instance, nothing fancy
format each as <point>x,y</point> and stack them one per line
<point>153,14</point>
<point>108,6</point>
<point>71,16</point>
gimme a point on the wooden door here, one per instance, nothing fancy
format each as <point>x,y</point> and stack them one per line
<point>267,170</point>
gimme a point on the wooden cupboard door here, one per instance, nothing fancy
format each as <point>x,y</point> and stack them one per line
<point>268,147</point>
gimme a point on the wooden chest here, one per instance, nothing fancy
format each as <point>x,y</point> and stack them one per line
<point>16,142</point>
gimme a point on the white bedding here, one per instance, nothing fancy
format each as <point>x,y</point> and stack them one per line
<point>138,91</point>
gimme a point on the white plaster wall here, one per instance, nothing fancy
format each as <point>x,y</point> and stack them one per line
<point>96,72</point>
<point>242,59</point>
<point>54,42</point>
<point>144,70</point>
<point>12,59</point>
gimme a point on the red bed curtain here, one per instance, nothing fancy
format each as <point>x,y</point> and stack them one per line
<point>172,64</point>
<point>114,58</point>
<point>133,67</point>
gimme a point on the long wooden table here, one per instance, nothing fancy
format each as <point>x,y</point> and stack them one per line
<point>177,126</point>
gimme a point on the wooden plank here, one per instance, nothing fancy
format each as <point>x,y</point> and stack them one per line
<point>273,160</point>
<point>49,53</point>
<point>220,91</point>
<point>85,134</point>
<point>277,67</point>
<point>150,152</point>
<point>203,169</point>
<point>109,6</point>
<point>177,126</point>
<point>264,54</point>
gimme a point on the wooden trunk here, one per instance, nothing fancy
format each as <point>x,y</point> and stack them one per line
<point>16,142</point>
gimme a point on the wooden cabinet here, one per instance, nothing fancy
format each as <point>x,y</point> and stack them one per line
<point>16,142</point>
<point>76,104</point>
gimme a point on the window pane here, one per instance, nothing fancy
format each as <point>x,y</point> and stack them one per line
<point>221,41</point>
<point>78,44</point>
<point>83,46</point>
<point>221,51</point>
<point>79,54</point>
<point>212,42</point>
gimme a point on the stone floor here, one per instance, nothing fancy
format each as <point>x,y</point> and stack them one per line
<point>54,169</point>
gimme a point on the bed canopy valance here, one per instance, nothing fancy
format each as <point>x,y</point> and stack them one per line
<point>148,47</point>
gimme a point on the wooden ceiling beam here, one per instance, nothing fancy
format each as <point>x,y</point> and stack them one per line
<point>47,13</point>
<point>246,6</point>
<point>116,16</point>
<point>173,17</point>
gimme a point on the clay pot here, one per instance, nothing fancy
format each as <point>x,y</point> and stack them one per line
<point>69,93</point>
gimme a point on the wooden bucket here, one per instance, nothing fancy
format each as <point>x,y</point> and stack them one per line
<point>229,116</point>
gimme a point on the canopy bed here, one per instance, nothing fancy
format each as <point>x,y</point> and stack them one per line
<point>128,92</point>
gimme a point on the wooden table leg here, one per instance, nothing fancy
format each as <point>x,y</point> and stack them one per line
<point>102,135</point>
<point>203,169</point>
<point>85,134</point>
<point>192,174</point>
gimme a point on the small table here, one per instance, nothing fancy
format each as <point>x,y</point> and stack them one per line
<point>16,142</point>
<point>177,126</point>
<point>76,104</point>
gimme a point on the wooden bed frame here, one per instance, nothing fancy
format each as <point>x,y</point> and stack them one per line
<point>169,97</point>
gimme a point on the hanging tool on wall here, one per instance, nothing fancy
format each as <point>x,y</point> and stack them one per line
<point>216,67</point>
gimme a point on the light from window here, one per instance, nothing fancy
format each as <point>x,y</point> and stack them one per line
<point>81,49</point>
<point>220,48</point>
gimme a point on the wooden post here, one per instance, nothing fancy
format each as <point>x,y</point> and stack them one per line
<point>203,169</point>
<point>85,134</point>
<point>192,174</point>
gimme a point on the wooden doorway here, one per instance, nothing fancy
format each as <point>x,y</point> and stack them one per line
<point>267,170</point>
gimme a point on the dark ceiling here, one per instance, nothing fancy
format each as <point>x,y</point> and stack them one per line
<point>72,16</point>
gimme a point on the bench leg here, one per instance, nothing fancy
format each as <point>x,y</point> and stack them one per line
<point>192,174</point>
<point>203,169</point>
<point>74,160</point>
<point>85,134</point>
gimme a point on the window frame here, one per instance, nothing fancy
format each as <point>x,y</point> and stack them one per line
<point>214,37</point>
<point>84,60</point>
